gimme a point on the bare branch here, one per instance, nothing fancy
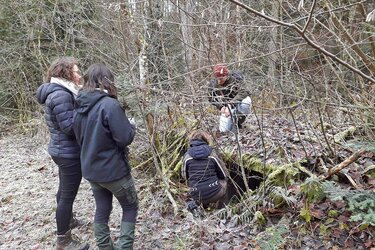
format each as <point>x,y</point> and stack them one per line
<point>307,39</point>
<point>261,14</point>
<point>350,40</point>
<point>310,16</point>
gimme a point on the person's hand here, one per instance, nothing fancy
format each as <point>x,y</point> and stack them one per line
<point>225,110</point>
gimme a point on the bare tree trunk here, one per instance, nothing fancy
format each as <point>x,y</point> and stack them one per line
<point>272,45</point>
<point>142,56</point>
<point>187,36</point>
<point>239,35</point>
<point>281,45</point>
<point>157,67</point>
<point>371,37</point>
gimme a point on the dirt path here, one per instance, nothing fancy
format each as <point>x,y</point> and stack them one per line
<point>28,184</point>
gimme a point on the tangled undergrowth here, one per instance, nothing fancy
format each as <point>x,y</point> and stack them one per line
<point>290,202</point>
<point>287,206</point>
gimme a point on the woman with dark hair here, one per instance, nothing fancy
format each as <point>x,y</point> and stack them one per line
<point>204,171</point>
<point>103,131</point>
<point>57,96</point>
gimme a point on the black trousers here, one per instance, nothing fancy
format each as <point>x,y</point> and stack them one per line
<point>70,177</point>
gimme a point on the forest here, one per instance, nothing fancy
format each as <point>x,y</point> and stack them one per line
<point>303,166</point>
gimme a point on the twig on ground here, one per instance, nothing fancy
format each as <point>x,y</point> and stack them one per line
<point>343,164</point>
<point>354,184</point>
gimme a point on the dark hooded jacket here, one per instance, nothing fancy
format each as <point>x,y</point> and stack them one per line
<point>232,91</point>
<point>59,105</point>
<point>103,131</point>
<point>202,169</point>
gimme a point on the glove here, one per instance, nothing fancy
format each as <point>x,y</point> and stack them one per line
<point>132,122</point>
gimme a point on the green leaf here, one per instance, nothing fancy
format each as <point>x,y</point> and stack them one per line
<point>330,220</point>
<point>305,214</point>
<point>333,213</point>
<point>363,226</point>
<point>322,229</point>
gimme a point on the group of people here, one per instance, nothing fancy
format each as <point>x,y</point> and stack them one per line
<point>89,136</point>
<point>202,168</point>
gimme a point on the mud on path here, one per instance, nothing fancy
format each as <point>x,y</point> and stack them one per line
<point>29,181</point>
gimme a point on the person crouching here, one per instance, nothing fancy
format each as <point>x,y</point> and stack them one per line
<point>204,171</point>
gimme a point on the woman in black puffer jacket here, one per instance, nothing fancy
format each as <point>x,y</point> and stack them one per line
<point>57,96</point>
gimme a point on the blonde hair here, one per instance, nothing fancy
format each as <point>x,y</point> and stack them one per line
<point>200,135</point>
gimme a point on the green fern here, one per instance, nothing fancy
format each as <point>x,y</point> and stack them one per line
<point>360,203</point>
<point>313,190</point>
<point>273,237</point>
<point>367,145</point>
<point>280,196</point>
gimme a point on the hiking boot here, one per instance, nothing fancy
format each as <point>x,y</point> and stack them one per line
<point>126,238</point>
<point>195,209</point>
<point>240,120</point>
<point>68,241</point>
<point>103,236</point>
<point>191,205</point>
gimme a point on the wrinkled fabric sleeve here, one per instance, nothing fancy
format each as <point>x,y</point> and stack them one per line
<point>39,93</point>
<point>242,92</point>
<point>62,106</point>
<point>122,131</point>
